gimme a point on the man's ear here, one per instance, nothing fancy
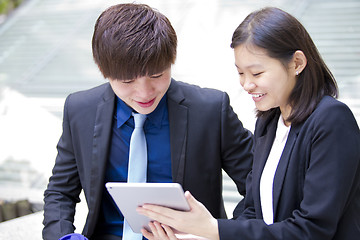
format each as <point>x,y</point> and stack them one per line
<point>300,62</point>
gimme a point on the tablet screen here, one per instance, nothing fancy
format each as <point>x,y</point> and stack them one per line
<point>128,196</point>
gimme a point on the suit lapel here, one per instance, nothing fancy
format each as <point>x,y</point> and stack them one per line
<point>178,115</point>
<point>263,147</point>
<point>283,166</point>
<point>101,141</point>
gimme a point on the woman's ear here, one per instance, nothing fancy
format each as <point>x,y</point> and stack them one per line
<point>300,61</point>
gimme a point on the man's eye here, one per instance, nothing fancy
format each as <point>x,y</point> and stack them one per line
<point>156,75</point>
<point>127,81</point>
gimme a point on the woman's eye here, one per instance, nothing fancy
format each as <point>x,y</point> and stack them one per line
<point>240,73</point>
<point>257,74</point>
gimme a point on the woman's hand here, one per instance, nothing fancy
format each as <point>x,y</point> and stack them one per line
<point>198,221</point>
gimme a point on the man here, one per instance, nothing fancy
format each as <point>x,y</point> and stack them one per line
<point>191,133</point>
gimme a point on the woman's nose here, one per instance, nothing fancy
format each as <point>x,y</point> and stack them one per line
<point>248,85</point>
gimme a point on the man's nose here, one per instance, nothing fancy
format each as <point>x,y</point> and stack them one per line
<point>144,87</point>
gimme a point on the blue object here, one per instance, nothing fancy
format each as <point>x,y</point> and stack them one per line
<point>73,236</point>
<point>137,165</point>
<point>157,133</point>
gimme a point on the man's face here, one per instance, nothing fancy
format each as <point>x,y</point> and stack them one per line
<point>143,94</point>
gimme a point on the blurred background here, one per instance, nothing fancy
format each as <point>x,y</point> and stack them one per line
<point>45,54</point>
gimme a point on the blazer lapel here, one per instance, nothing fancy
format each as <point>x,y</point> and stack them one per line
<point>265,141</point>
<point>178,131</point>
<point>283,166</point>
<point>101,141</point>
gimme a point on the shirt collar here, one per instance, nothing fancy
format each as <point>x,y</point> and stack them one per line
<point>282,130</point>
<point>123,112</point>
<point>156,117</point>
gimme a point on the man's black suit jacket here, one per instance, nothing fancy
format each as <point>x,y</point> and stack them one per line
<point>205,137</point>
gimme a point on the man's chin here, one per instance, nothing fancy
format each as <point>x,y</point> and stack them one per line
<point>147,110</point>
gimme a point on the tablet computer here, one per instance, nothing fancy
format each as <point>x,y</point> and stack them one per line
<point>128,196</point>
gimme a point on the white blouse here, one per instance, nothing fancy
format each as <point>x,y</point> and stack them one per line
<point>267,176</point>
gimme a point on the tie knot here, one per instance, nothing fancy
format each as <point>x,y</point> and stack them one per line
<point>139,119</point>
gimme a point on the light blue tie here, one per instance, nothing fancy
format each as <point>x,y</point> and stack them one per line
<point>137,168</point>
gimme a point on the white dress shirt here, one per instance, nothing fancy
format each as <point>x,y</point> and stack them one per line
<point>267,176</point>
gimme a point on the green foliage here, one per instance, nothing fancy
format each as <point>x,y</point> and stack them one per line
<point>17,2</point>
<point>7,5</point>
<point>3,6</point>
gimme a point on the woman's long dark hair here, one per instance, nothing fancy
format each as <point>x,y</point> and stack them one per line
<point>281,35</point>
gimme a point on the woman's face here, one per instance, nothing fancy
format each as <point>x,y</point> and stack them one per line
<point>265,78</point>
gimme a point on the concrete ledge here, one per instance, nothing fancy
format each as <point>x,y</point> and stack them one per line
<point>28,227</point>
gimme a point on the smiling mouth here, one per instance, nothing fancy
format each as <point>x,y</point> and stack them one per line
<point>147,104</point>
<point>257,95</point>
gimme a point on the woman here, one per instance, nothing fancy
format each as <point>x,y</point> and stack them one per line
<point>306,168</point>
